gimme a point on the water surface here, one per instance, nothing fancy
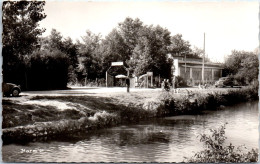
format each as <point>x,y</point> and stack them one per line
<point>160,140</point>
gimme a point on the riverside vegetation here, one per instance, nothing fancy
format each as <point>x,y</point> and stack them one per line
<point>85,113</point>
<point>217,151</point>
<point>23,122</point>
<point>195,102</point>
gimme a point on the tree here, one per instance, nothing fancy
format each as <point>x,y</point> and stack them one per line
<point>249,68</point>
<point>197,52</point>
<point>141,59</point>
<point>20,26</point>
<point>71,50</point>
<point>20,36</point>
<point>54,41</point>
<point>150,52</point>
<point>179,47</point>
<point>48,70</point>
<point>113,49</point>
<point>129,30</point>
<point>242,65</point>
<point>161,41</point>
<point>89,58</point>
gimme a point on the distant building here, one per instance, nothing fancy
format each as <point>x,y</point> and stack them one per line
<point>190,69</point>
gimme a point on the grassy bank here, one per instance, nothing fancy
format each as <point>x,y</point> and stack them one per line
<point>49,116</point>
<point>45,116</point>
<point>195,102</point>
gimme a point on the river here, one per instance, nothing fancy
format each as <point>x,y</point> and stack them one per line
<point>167,139</point>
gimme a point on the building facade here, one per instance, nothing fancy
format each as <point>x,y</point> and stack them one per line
<point>190,69</point>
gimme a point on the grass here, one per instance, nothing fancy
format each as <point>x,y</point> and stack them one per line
<point>80,113</point>
<point>16,114</point>
<point>193,102</point>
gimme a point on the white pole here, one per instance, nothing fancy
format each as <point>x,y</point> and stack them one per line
<point>106,79</point>
<point>203,60</point>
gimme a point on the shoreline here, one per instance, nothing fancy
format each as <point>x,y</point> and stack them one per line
<point>100,112</point>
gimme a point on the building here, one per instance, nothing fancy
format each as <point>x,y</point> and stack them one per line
<point>190,69</point>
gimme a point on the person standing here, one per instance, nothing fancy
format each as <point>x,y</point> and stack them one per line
<point>127,83</point>
<point>174,83</point>
<point>163,84</point>
<point>167,85</point>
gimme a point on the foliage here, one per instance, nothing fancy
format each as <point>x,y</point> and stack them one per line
<point>243,66</point>
<point>170,106</point>
<point>113,49</point>
<point>55,41</point>
<point>20,26</point>
<point>129,31</point>
<point>181,81</point>
<point>216,151</point>
<point>20,36</point>
<point>134,113</point>
<point>245,94</point>
<point>48,70</point>
<point>193,102</point>
<point>179,47</point>
<point>143,48</point>
<point>198,53</point>
<point>150,52</point>
<point>89,60</point>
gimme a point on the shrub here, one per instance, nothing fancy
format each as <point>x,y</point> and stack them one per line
<point>242,95</point>
<point>48,70</point>
<point>186,104</point>
<point>193,103</point>
<point>134,113</point>
<point>216,151</point>
<point>181,82</point>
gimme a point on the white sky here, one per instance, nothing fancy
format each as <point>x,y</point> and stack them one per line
<point>228,25</point>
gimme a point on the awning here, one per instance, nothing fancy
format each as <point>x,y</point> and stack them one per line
<point>121,76</point>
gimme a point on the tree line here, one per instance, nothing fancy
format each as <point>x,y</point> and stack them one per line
<point>243,66</point>
<point>37,62</point>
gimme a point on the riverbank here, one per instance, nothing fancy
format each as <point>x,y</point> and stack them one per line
<point>31,117</point>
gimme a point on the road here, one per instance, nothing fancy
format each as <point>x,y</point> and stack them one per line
<point>104,92</point>
<point>87,91</point>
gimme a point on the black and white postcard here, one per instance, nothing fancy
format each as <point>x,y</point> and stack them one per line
<point>130,81</point>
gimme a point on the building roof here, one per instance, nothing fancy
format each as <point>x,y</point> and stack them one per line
<point>198,64</point>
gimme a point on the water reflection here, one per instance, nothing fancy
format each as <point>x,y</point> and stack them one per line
<point>161,140</point>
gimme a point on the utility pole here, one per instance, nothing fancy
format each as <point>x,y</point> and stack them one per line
<point>203,61</point>
<point>185,63</point>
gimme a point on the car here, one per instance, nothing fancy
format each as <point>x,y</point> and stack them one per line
<point>9,89</point>
<point>224,81</point>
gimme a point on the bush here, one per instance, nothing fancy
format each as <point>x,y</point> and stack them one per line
<point>217,152</point>
<point>48,70</point>
<point>193,103</point>
<point>170,106</point>
<point>134,113</point>
<point>181,82</point>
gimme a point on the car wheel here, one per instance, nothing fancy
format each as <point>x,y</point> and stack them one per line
<point>15,93</point>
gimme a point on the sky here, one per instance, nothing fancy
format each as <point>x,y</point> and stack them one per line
<point>228,25</point>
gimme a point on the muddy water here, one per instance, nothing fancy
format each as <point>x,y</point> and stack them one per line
<point>162,140</point>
